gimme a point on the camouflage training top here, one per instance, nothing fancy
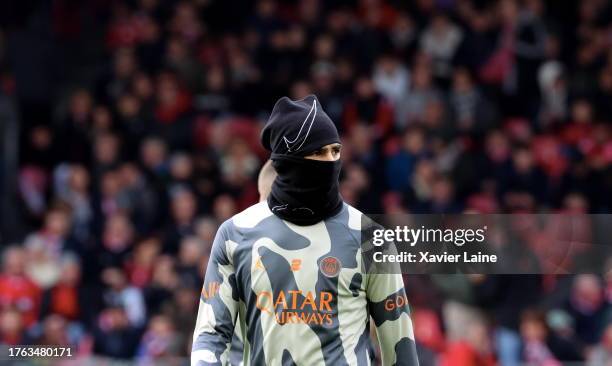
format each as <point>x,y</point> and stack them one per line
<point>299,294</point>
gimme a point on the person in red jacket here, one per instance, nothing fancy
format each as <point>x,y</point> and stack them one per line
<point>473,350</point>
<point>16,289</point>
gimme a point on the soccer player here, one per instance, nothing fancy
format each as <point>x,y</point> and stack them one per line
<point>289,268</point>
<point>266,178</point>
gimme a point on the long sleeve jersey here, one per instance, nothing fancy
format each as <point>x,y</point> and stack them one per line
<point>300,295</point>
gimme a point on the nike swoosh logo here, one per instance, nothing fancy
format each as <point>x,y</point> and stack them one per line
<point>308,121</point>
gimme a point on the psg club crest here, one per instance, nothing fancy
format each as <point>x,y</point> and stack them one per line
<point>330,266</point>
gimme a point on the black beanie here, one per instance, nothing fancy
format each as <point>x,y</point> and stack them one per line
<point>298,127</point>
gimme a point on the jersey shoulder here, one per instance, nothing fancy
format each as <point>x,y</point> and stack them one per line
<point>236,226</point>
<point>346,224</point>
<point>349,216</point>
<point>251,216</point>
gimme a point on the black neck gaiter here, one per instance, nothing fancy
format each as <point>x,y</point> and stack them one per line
<point>305,191</point>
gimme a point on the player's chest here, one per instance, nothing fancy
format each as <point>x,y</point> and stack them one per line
<point>268,267</point>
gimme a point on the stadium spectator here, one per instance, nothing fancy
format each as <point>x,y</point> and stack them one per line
<point>158,341</point>
<point>540,345</point>
<point>68,298</point>
<point>17,291</point>
<point>119,293</point>
<point>12,328</point>
<point>113,335</point>
<point>602,353</point>
<point>588,307</point>
<point>476,349</point>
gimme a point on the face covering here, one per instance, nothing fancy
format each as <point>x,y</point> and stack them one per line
<point>305,191</point>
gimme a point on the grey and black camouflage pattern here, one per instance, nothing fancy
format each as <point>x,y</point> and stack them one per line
<point>299,295</point>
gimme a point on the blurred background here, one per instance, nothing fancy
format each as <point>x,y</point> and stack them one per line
<point>130,130</point>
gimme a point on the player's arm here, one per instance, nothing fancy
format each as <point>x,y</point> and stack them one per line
<point>388,307</point>
<point>218,305</point>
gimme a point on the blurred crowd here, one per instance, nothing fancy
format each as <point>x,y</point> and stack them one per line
<point>139,135</point>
